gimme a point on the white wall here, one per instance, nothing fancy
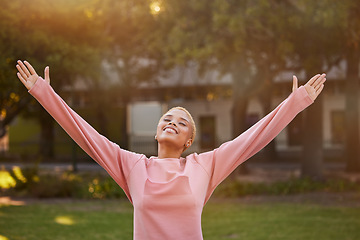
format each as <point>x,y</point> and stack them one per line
<point>221,109</point>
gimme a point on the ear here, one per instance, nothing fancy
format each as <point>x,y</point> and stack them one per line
<point>188,143</point>
<point>155,137</point>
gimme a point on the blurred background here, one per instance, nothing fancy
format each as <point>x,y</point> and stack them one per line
<point>121,64</point>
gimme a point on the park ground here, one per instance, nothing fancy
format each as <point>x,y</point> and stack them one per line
<point>317,215</point>
<point>311,216</point>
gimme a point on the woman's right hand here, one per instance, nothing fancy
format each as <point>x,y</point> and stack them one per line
<point>28,75</point>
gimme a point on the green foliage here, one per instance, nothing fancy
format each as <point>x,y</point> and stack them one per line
<point>63,37</point>
<point>291,186</point>
<point>25,178</point>
<point>105,189</point>
<point>50,186</point>
<point>250,40</point>
<point>30,182</point>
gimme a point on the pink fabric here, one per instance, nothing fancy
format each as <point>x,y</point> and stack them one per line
<point>168,195</point>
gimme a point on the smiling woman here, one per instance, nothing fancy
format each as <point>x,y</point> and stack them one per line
<point>177,124</point>
<point>169,192</point>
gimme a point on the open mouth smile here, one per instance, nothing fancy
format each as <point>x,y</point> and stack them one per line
<point>169,129</point>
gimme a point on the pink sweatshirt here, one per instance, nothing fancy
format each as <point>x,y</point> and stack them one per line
<point>168,195</point>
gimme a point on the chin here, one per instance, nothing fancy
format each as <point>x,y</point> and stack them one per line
<point>170,141</point>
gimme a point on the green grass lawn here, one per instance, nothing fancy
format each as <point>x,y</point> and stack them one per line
<point>226,219</point>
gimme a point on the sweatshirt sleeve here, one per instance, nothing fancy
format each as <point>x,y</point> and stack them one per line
<point>116,161</point>
<point>220,162</point>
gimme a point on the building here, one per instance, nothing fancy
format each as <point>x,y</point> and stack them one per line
<point>209,99</point>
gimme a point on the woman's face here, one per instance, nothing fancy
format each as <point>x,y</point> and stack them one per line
<point>175,128</point>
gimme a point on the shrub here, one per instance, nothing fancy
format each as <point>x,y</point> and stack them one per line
<point>50,186</point>
<point>291,186</point>
<point>28,182</point>
<point>106,188</point>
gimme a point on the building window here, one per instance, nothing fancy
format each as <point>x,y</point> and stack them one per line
<point>207,133</point>
<point>337,127</point>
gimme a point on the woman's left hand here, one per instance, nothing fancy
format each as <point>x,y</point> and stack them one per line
<point>313,87</point>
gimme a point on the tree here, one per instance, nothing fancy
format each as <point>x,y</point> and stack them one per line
<point>320,30</point>
<point>58,35</point>
<point>12,100</point>
<point>132,52</point>
<point>245,39</point>
<point>308,33</point>
<point>351,24</point>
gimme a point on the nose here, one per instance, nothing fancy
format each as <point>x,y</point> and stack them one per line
<point>172,123</point>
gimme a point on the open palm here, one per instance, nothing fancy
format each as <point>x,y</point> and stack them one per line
<point>28,75</point>
<point>313,87</point>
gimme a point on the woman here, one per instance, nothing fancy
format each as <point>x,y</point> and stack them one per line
<point>168,192</point>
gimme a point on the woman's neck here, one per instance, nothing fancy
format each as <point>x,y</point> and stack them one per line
<point>168,152</point>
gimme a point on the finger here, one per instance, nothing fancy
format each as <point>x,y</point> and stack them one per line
<point>32,70</point>
<point>320,84</point>
<point>313,79</point>
<point>47,74</point>
<point>22,73</point>
<point>320,89</point>
<point>295,83</point>
<point>24,68</point>
<point>21,78</point>
<point>319,81</point>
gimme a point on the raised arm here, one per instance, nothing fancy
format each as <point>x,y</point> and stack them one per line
<point>115,161</point>
<point>223,160</point>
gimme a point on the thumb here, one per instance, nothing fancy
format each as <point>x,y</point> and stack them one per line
<point>47,74</point>
<point>295,83</point>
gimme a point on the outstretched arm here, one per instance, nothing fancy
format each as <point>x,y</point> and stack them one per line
<point>115,161</point>
<point>223,160</point>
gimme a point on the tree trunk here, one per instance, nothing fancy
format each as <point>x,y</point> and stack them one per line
<point>312,157</point>
<point>124,142</point>
<point>12,114</point>
<point>269,151</point>
<point>240,73</point>
<point>239,109</point>
<point>101,108</point>
<point>46,145</point>
<point>352,150</point>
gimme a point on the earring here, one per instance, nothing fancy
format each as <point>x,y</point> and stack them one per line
<point>155,137</point>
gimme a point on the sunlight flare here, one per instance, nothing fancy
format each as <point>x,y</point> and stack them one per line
<point>6,180</point>
<point>18,174</point>
<point>64,220</point>
<point>8,201</point>
<point>3,237</point>
<point>155,7</point>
